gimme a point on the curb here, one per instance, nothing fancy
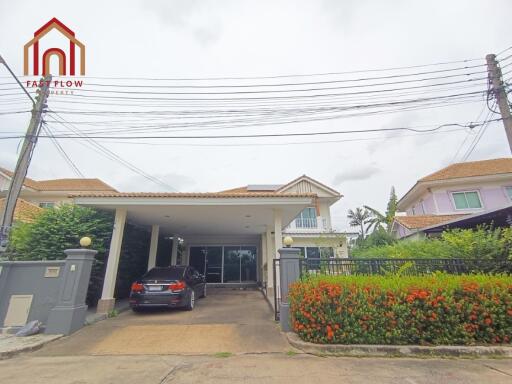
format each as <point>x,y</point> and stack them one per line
<point>94,318</point>
<point>366,350</point>
<point>29,347</point>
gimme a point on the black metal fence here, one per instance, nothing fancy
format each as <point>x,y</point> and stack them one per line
<point>401,267</point>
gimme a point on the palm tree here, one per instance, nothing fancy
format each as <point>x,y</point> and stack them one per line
<point>358,219</point>
<point>376,219</point>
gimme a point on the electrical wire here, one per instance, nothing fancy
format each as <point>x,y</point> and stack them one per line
<point>61,151</point>
<point>263,135</point>
<point>111,155</point>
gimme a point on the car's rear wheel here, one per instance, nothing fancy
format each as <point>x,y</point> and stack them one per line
<point>191,301</point>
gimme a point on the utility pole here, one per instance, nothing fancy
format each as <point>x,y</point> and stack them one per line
<point>24,158</point>
<point>498,89</point>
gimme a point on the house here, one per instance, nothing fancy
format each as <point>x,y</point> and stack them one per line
<point>47,193</point>
<point>460,195</point>
<point>230,236</point>
<point>25,211</point>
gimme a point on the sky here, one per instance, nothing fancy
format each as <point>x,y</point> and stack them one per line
<point>204,39</point>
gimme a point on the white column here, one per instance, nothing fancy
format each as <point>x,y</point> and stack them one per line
<point>278,239</point>
<point>107,301</point>
<point>263,257</point>
<point>278,225</point>
<point>270,258</point>
<point>153,246</point>
<point>174,250</point>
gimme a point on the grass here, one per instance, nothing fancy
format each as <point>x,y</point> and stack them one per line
<point>112,313</point>
<point>291,353</point>
<point>223,355</point>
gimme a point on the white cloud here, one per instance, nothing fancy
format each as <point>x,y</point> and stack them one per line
<point>356,173</point>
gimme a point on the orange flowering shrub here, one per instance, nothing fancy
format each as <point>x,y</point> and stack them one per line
<point>428,310</point>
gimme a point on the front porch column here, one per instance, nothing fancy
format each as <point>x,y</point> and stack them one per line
<point>278,240</point>
<point>107,301</point>
<point>264,259</point>
<point>174,250</point>
<point>278,225</point>
<point>153,246</point>
<point>270,258</point>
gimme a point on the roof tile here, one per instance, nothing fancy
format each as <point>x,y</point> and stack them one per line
<point>422,221</point>
<point>24,211</point>
<point>471,169</point>
<point>194,194</point>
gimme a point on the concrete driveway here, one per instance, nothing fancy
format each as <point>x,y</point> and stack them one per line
<point>227,320</point>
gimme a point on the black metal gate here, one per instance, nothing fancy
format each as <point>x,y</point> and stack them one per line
<point>398,267</point>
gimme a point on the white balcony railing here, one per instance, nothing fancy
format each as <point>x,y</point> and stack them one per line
<point>306,222</point>
<point>317,224</point>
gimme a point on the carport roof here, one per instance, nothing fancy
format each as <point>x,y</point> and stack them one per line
<point>222,195</point>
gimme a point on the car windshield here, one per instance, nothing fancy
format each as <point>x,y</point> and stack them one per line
<point>165,273</point>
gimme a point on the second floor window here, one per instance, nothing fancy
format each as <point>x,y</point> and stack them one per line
<point>466,200</point>
<point>306,219</point>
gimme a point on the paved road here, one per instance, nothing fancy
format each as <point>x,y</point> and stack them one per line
<point>184,347</point>
<point>253,368</point>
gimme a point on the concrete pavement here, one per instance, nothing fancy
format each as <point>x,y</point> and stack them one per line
<point>227,320</point>
<point>252,368</point>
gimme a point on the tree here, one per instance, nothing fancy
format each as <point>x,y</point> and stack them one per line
<point>57,229</point>
<point>60,228</point>
<point>359,218</point>
<point>391,208</point>
<point>376,219</point>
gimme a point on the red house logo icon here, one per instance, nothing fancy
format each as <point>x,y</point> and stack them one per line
<point>43,62</point>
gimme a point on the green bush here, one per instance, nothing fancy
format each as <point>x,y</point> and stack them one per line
<point>57,229</point>
<point>482,243</point>
<point>60,228</point>
<point>428,310</point>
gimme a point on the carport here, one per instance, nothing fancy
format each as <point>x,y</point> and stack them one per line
<point>231,237</point>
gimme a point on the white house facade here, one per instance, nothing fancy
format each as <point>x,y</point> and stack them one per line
<point>230,236</point>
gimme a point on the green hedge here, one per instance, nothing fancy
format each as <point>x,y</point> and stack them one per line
<point>485,242</point>
<point>427,310</point>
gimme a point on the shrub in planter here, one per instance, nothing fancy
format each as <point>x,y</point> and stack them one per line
<point>428,310</point>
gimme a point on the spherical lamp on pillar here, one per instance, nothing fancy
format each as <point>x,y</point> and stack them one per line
<point>288,241</point>
<point>85,241</point>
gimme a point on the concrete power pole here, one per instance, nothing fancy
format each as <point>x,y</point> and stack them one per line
<point>501,96</point>
<point>24,160</point>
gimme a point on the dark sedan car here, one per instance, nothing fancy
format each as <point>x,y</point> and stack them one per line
<point>168,287</point>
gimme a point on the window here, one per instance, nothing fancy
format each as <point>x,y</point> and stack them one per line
<point>306,219</point>
<point>327,252</point>
<point>46,205</point>
<point>508,190</point>
<point>466,200</point>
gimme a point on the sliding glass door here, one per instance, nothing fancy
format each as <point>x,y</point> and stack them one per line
<point>225,264</point>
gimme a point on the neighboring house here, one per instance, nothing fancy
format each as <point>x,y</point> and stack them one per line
<point>47,193</point>
<point>231,236</point>
<point>449,197</point>
<point>24,211</point>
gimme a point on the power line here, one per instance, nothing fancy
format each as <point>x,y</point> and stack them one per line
<point>468,134</point>
<point>465,61</point>
<point>112,156</point>
<point>63,153</point>
<point>264,135</point>
<point>283,143</point>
